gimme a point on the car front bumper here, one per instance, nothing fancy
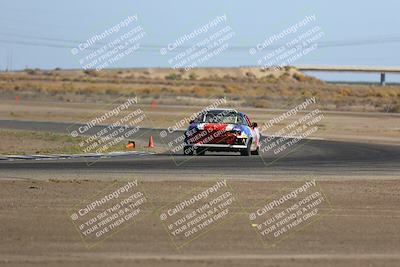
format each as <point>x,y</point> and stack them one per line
<point>218,147</point>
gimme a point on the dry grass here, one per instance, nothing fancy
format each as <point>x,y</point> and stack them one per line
<point>42,142</point>
<point>35,142</point>
<point>247,86</point>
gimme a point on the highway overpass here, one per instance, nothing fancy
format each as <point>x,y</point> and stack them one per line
<point>364,69</point>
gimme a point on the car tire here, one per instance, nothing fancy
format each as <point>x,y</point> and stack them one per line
<point>200,151</point>
<point>255,152</point>
<point>188,150</point>
<point>247,150</point>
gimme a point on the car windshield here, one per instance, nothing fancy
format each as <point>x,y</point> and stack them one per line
<point>220,116</point>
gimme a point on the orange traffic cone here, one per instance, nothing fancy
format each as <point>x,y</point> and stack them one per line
<point>151,142</point>
<point>130,145</point>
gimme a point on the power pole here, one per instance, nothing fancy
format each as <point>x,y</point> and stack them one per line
<point>7,59</point>
<point>383,79</point>
<point>11,59</point>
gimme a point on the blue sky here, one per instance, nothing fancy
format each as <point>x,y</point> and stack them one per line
<point>27,27</point>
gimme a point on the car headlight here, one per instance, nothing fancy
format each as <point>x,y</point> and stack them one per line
<point>200,126</point>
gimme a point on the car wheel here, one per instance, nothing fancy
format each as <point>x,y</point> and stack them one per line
<point>255,152</point>
<point>200,151</point>
<point>188,151</point>
<point>247,150</point>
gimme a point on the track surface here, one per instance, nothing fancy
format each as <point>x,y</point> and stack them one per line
<point>307,155</point>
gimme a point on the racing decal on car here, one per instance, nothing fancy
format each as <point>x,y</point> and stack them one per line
<point>222,130</point>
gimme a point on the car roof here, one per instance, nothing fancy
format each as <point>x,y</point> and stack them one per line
<point>223,109</point>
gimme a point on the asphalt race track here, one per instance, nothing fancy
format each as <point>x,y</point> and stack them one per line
<point>314,156</point>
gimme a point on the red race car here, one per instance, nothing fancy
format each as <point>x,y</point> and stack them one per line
<point>222,130</point>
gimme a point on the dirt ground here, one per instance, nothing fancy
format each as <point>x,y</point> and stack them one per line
<point>359,227</point>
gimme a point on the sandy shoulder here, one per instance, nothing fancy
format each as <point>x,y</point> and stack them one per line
<point>361,229</point>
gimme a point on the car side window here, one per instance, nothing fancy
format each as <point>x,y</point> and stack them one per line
<point>199,118</point>
<point>248,120</point>
<point>242,120</point>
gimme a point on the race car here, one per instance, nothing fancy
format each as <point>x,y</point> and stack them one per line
<point>222,130</point>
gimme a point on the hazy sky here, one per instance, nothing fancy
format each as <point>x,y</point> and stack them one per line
<point>356,32</point>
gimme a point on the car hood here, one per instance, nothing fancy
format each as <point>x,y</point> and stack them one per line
<point>217,126</point>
